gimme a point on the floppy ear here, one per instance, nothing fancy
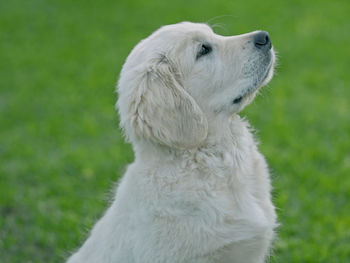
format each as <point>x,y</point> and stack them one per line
<point>161,110</point>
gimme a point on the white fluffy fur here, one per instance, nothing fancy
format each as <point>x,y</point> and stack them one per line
<point>198,190</point>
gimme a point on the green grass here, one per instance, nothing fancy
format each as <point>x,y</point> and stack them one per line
<point>61,149</point>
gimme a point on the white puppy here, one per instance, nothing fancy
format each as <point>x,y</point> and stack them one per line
<point>198,190</point>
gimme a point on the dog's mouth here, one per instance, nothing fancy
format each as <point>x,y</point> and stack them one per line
<point>257,84</point>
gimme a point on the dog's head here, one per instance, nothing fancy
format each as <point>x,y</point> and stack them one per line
<point>176,78</point>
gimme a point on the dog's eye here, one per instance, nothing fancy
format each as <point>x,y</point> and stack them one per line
<point>204,50</point>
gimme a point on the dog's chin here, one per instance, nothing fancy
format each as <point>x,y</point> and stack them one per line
<point>269,74</point>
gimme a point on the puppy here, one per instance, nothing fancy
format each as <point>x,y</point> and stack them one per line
<point>198,190</point>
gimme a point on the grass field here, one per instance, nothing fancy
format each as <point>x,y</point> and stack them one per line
<point>61,149</point>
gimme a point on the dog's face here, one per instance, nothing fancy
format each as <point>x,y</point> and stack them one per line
<point>226,72</point>
<point>184,72</point>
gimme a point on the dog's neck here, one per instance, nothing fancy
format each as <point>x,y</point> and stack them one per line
<point>223,132</point>
<point>222,126</point>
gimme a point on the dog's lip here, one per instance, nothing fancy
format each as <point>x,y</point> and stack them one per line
<point>240,98</point>
<point>237,100</point>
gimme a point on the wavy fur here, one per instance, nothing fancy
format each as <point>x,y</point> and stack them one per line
<point>198,190</point>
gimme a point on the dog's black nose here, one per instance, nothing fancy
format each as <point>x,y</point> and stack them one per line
<point>262,40</point>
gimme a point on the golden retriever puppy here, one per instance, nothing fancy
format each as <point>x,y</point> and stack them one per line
<point>198,190</point>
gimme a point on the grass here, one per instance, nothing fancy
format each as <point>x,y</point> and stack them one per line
<point>61,149</point>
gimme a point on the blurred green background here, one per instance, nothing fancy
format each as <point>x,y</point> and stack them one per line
<point>61,150</point>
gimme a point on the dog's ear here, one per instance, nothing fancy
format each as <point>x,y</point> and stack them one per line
<point>158,108</point>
